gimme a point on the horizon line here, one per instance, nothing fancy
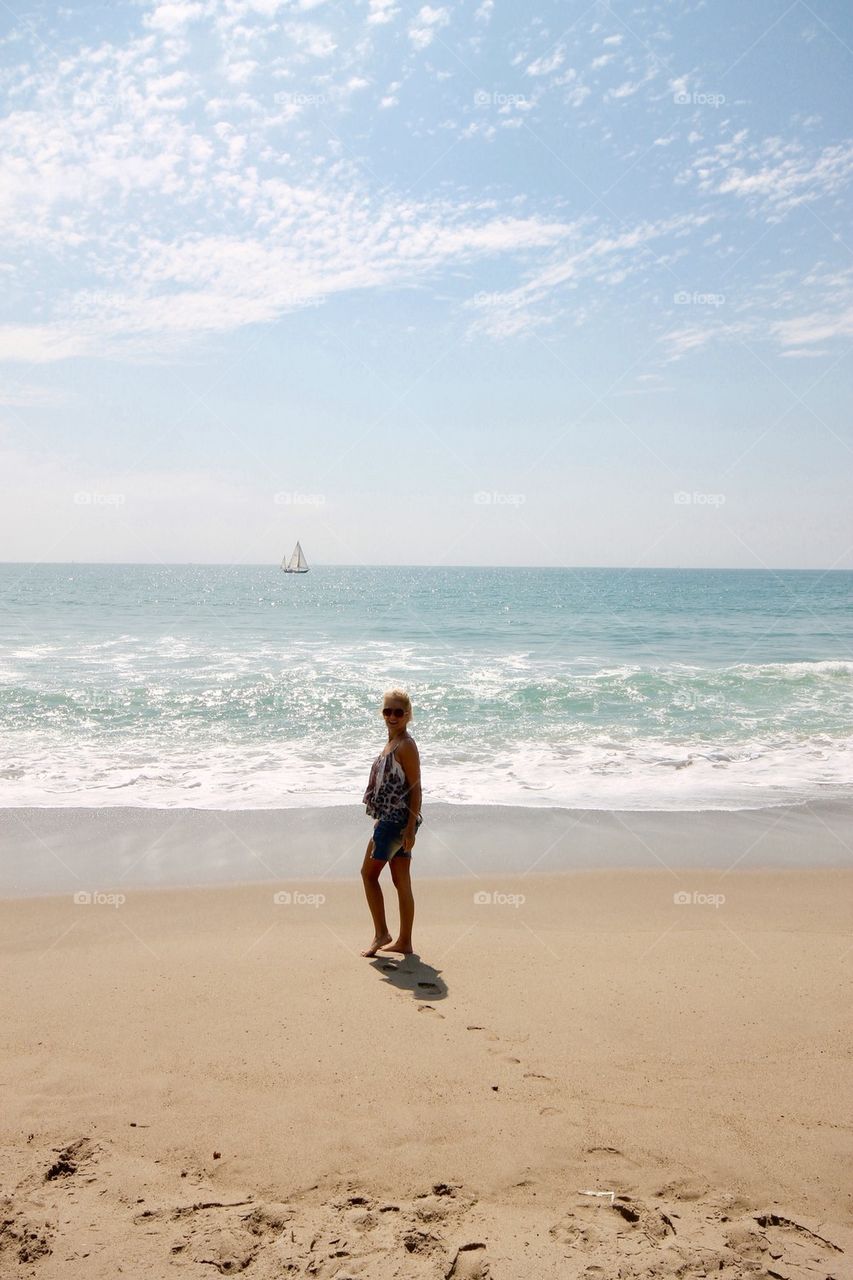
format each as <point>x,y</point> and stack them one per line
<point>264,564</point>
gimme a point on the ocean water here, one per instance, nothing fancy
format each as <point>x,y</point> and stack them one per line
<point>229,687</point>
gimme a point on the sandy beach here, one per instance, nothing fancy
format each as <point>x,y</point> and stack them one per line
<point>208,1080</point>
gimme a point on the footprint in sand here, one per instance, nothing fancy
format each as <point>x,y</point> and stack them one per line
<point>488,1034</point>
<point>469,1263</point>
<point>228,1243</point>
<point>685,1189</point>
<point>69,1160</point>
<point>785,1232</point>
<point>422,1243</point>
<point>605,1228</point>
<point>23,1237</point>
<point>611,1151</point>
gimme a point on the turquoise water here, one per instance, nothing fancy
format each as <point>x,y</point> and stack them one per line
<point>243,687</point>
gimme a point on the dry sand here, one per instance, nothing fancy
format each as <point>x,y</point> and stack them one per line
<point>205,1081</point>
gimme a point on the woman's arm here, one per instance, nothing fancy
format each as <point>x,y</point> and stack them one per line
<point>410,763</point>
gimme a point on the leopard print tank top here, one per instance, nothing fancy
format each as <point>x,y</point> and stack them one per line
<point>387,792</point>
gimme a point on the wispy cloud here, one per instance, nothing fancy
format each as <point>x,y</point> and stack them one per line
<point>222,163</point>
<point>504,314</point>
<point>547,63</point>
<point>772,176</point>
<point>382,11</point>
<point>802,331</point>
<point>426,25</point>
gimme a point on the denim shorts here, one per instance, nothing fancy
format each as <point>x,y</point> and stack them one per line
<point>388,840</point>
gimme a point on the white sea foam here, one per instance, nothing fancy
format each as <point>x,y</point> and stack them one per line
<point>603,775</point>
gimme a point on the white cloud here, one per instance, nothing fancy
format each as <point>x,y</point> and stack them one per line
<point>772,176</point>
<point>267,8</point>
<point>680,342</point>
<point>423,30</point>
<point>625,90</point>
<point>41,344</point>
<point>577,96</point>
<point>799,331</point>
<point>390,99</point>
<point>314,40</point>
<point>318,242</point>
<point>174,15</point>
<point>547,63</point>
<point>160,85</point>
<point>512,311</point>
<point>382,11</point>
<point>240,72</point>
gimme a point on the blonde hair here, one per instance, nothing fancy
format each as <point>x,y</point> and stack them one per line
<point>399,695</point>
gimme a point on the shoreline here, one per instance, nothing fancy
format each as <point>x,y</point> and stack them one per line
<point>51,851</point>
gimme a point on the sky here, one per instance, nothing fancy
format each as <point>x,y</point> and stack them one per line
<point>470,283</point>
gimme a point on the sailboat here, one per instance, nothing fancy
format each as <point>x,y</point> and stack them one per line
<point>297,562</point>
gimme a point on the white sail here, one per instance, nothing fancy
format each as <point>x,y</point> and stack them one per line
<point>297,562</point>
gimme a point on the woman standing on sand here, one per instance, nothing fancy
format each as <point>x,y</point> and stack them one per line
<point>393,798</point>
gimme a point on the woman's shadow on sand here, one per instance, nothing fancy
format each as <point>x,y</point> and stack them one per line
<point>410,973</point>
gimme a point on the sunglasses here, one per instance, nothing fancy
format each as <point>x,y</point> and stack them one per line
<point>392,711</point>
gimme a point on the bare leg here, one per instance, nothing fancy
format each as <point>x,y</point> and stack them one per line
<point>371,869</point>
<point>401,875</point>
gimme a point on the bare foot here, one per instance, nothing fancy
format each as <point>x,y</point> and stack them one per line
<point>377,944</point>
<point>404,948</point>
